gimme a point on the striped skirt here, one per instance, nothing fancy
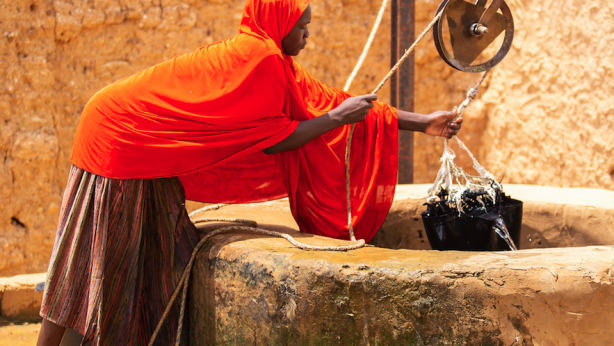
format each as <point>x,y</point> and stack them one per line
<point>120,249</point>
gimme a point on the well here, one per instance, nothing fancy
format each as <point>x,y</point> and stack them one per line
<point>249,289</point>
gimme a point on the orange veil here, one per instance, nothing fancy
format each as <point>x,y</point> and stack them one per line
<point>206,116</point>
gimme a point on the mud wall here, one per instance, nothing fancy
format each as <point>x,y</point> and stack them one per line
<point>545,115</point>
<point>549,111</point>
<point>57,54</point>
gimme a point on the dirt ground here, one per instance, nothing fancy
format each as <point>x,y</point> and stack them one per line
<point>18,334</point>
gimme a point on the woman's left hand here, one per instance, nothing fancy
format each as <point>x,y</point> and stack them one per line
<point>440,124</point>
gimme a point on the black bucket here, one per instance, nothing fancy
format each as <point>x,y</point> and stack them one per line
<point>472,230</point>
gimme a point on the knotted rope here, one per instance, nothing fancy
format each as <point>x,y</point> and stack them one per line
<point>183,283</point>
<point>450,172</point>
<point>484,182</point>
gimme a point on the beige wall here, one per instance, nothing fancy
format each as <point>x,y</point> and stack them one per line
<point>545,116</point>
<point>550,107</point>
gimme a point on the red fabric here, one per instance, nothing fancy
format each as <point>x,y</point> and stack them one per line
<point>202,109</point>
<point>314,174</point>
<point>206,116</point>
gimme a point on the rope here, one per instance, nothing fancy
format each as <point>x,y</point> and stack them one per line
<point>471,94</point>
<point>407,52</point>
<point>361,60</point>
<point>363,56</point>
<point>207,208</point>
<point>185,277</point>
<point>450,172</point>
<point>348,145</point>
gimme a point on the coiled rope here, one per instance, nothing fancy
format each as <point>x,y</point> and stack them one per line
<point>183,283</point>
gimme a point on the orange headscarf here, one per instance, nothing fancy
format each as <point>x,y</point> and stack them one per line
<point>206,116</point>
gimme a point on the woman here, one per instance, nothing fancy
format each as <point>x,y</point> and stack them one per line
<point>236,121</point>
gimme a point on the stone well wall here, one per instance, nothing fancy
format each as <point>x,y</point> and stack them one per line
<point>254,289</point>
<point>544,115</point>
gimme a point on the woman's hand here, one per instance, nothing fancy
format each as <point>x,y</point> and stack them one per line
<point>353,110</point>
<point>440,124</point>
<point>350,111</point>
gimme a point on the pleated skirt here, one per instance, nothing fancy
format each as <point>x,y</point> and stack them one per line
<point>119,252</point>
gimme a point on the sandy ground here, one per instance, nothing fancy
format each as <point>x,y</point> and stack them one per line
<point>18,334</point>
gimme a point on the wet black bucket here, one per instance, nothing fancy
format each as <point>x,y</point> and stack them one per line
<point>472,230</point>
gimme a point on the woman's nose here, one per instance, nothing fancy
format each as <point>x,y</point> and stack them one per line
<point>306,33</point>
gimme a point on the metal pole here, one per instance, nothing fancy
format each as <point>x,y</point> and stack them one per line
<point>402,83</point>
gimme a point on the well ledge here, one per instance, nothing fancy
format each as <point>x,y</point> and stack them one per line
<point>250,289</point>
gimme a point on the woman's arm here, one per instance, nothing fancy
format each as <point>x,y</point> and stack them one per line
<point>352,110</point>
<point>355,109</point>
<point>434,124</point>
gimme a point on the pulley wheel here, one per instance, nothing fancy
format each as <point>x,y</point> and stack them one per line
<point>473,27</point>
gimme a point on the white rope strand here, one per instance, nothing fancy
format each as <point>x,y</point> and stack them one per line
<point>408,52</point>
<point>365,51</point>
<point>450,172</point>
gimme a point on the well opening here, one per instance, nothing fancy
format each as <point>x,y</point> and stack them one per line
<point>553,217</point>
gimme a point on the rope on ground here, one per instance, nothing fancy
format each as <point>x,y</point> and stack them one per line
<point>206,208</point>
<point>185,277</point>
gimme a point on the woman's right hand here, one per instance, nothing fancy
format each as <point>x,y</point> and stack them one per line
<point>350,111</point>
<point>353,110</point>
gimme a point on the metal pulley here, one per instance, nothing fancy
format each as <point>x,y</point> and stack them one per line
<point>472,28</point>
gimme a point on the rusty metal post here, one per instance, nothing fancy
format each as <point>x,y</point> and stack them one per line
<point>402,83</point>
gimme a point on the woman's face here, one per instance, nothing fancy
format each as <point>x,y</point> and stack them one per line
<point>296,40</point>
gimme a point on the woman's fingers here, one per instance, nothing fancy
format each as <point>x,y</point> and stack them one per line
<point>451,133</point>
<point>451,114</point>
<point>442,123</point>
<point>354,109</point>
<point>369,97</point>
<point>454,126</point>
<point>367,101</point>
